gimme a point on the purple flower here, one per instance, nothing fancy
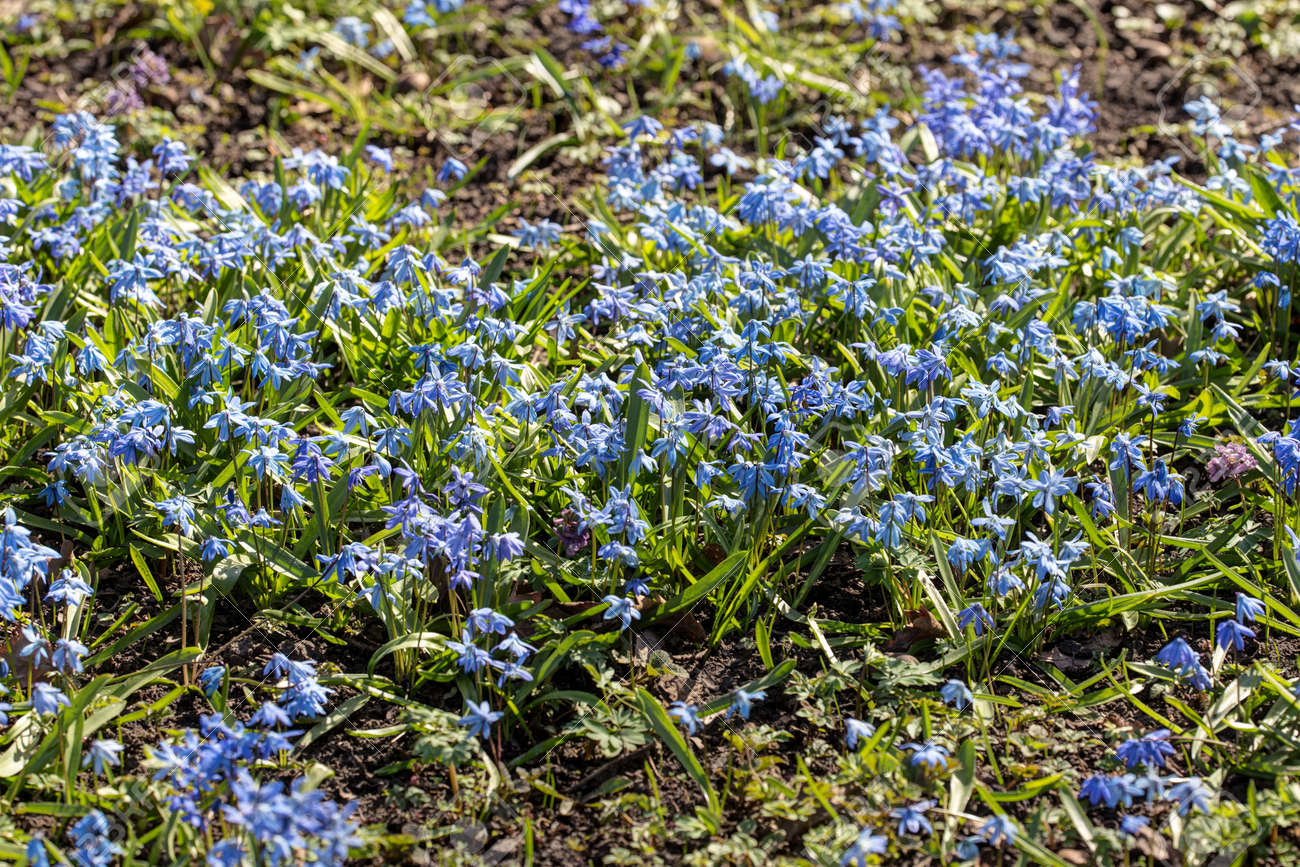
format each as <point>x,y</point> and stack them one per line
<point>1230,461</point>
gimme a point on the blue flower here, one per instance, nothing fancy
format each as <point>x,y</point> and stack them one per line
<point>1159,484</point>
<point>642,127</point>
<point>215,548</point>
<point>857,731</point>
<point>353,30</point>
<point>728,161</point>
<point>69,589</point>
<point>1132,825</point>
<point>103,753</point>
<point>452,169</point>
<point>911,819</point>
<point>488,621</point>
<point>975,616</point>
<point>35,853</point>
<point>1151,750</point>
<point>1190,794</point>
<point>381,157</point>
<point>622,608</point>
<point>47,699</point>
<point>90,835</point>
<point>1050,485</point>
<point>1232,634</point>
<point>743,702</point>
<point>1000,829</point>
<point>67,655</point>
<point>867,843</point>
<point>956,693</point>
<point>1185,662</point>
<point>687,715</point>
<point>1100,790</point>
<point>211,679</point>
<point>171,157</point>
<point>1248,608</point>
<point>178,512</point>
<point>479,718</point>
<point>270,715</point>
<point>931,755</point>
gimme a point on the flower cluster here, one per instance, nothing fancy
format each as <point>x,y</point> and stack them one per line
<point>47,663</point>
<point>209,777</point>
<point>834,348</point>
<point>583,22</point>
<point>1143,783</point>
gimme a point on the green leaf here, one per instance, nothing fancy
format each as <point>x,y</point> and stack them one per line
<point>414,641</point>
<point>143,568</point>
<point>332,721</point>
<point>638,420</point>
<point>663,725</point>
<point>962,784</point>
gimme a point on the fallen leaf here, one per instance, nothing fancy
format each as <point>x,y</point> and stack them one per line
<point>1064,661</point>
<point>923,626</point>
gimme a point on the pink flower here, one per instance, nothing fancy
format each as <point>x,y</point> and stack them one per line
<point>1230,461</point>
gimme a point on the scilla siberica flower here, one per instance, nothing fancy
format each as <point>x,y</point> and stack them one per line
<point>931,755</point>
<point>742,702</point>
<point>687,716</point>
<point>868,843</point>
<point>1232,634</point>
<point>102,754</point>
<point>957,694</point>
<point>47,699</point>
<point>36,854</point>
<point>976,617</point>
<point>911,818</point>
<point>207,777</point>
<point>749,443</point>
<point>856,731</point>
<point>211,679</point>
<point>1184,662</point>
<point>1151,750</point>
<point>999,829</point>
<point>1248,608</point>
<point>479,718</point>
<point>90,835</point>
<point>1191,794</point>
<point>621,608</point>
